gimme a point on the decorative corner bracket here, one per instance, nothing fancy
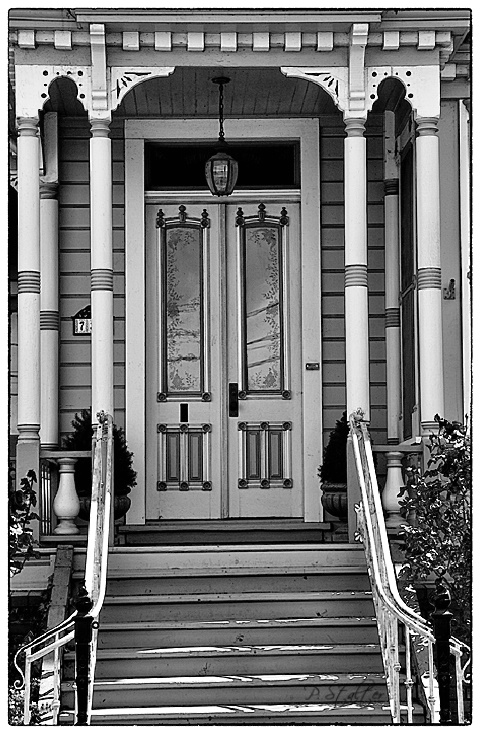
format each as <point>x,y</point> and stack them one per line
<point>332,80</point>
<point>124,78</point>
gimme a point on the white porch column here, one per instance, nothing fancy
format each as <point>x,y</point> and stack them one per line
<point>28,446</point>
<point>101,267</point>
<point>392,281</point>
<point>429,273</point>
<point>49,317</point>
<point>356,287</point>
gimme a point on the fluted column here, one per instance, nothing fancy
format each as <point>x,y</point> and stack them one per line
<point>49,317</point>
<point>356,286</point>
<point>429,273</point>
<point>28,446</point>
<point>101,267</point>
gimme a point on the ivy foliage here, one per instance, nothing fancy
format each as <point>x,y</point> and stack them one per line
<point>124,476</point>
<point>21,543</point>
<point>439,542</point>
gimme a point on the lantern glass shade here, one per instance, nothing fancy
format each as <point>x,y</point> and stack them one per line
<point>221,172</point>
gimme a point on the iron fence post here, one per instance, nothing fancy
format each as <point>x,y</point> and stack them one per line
<point>441,626</point>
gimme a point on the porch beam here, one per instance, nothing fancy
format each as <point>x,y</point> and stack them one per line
<point>28,152</point>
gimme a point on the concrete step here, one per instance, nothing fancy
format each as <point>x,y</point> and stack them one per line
<point>236,690</point>
<point>323,630</point>
<point>275,714</point>
<point>140,582</point>
<point>253,605</point>
<point>236,660</point>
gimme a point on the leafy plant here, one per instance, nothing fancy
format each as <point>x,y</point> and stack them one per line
<point>16,698</point>
<point>21,543</point>
<point>80,439</point>
<point>439,543</point>
<point>334,467</point>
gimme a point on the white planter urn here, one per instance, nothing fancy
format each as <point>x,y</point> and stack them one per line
<point>66,504</point>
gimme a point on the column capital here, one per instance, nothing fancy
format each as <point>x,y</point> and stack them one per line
<point>427,126</point>
<point>100,127</point>
<point>48,190</point>
<point>27,126</point>
<point>354,127</point>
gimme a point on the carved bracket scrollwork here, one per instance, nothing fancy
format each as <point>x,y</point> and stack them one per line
<point>125,78</point>
<point>334,81</point>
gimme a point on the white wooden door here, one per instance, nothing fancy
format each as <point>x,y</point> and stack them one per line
<point>264,361</point>
<point>224,384</point>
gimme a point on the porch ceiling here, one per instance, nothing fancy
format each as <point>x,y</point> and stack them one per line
<point>189,92</point>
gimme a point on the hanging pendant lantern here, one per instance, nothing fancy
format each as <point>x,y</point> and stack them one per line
<point>221,170</point>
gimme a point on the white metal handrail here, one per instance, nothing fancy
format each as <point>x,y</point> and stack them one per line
<point>54,640</point>
<point>391,610</point>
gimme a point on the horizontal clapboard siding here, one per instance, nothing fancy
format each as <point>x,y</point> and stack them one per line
<point>74,266</point>
<point>333,307</point>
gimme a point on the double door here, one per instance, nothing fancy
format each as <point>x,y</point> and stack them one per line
<point>225,408</point>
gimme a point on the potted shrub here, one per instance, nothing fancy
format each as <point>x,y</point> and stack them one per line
<point>333,471</point>
<point>124,476</point>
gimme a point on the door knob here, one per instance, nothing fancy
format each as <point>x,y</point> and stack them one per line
<point>233,399</point>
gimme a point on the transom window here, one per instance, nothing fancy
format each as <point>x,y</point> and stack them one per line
<point>260,165</point>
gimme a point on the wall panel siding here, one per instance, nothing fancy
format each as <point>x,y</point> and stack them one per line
<point>332,239</point>
<point>74,265</point>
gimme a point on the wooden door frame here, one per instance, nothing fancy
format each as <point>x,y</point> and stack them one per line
<point>306,132</point>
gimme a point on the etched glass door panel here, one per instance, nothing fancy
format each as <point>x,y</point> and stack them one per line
<point>263,309</point>
<point>183,310</point>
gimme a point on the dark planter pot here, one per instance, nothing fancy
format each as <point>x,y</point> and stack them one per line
<point>334,500</point>
<point>121,505</point>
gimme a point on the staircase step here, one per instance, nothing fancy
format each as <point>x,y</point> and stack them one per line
<point>237,660</point>
<point>320,630</point>
<point>257,605</point>
<point>222,560</point>
<point>324,713</point>
<point>148,581</point>
<point>237,689</point>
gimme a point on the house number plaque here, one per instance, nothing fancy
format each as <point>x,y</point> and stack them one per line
<point>82,322</point>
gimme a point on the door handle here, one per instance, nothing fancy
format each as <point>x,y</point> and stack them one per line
<point>233,399</point>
